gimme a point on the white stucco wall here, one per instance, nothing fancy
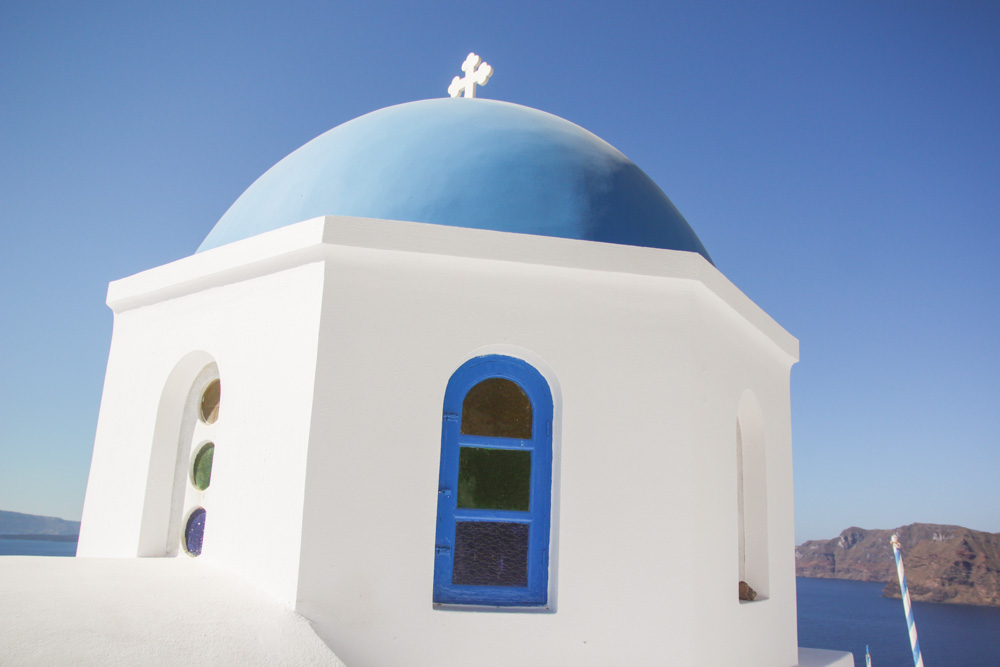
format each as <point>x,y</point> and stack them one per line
<point>647,373</point>
<point>261,332</point>
<point>335,339</point>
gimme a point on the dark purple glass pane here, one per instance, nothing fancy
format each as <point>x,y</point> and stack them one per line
<point>497,407</point>
<point>194,533</point>
<point>490,553</point>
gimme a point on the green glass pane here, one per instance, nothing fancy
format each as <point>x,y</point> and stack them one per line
<point>494,479</point>
<point>202,470</point>
<point>497,407</point>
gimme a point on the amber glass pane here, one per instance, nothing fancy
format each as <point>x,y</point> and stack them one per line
<point>210,402</point>
<point>490,553</point>
<point>494,479</point>
<point>201,471</point>
<point>497,407</point>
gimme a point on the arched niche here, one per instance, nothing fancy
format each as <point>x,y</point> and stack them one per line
<point>751,485</point>
<point>175,437</point>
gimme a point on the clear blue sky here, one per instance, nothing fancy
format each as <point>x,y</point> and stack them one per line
<point>840,161</point>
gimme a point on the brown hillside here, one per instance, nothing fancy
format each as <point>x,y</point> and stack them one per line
<point>943,563</point>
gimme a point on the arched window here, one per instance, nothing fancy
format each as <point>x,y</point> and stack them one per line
<point>180,459</point>
<point>199,475</point>
<point>494,491</point>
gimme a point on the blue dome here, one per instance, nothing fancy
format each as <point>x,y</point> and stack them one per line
<point>463,162</point>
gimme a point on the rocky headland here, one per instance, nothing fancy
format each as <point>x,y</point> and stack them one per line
<point>15,524</point>
<point>943,563</point>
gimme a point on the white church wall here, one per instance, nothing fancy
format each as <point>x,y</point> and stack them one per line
<point>644,471</point>
<point>262,333</point>
<point>116,489</point>
<point>324,489</point>
<point>744,378</point>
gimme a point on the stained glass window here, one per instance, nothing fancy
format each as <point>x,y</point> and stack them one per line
<point>210,402</point>
<point>490,553</point>
<point>494,494</point>
<point>494,479</point>
<point>497,407</point>
<point>201,471</point>
<point>194,532</point>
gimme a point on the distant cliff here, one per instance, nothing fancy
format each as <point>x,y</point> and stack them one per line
<point>943,563</point>
<point>15,523</point>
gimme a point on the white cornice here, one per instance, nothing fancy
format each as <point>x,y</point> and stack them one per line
<point>316,239</point>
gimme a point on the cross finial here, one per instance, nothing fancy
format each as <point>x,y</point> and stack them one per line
<point>475,74</point>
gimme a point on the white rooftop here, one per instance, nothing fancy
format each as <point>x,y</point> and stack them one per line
<point>145,611</point>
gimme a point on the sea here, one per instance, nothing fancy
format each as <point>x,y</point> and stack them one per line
<point>19,547</point>
<point>833,613</point>
<point>847,615</point>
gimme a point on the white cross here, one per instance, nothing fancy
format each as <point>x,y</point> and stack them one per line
<point>474,74</point>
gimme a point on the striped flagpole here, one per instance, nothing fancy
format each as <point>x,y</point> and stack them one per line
<point>918,660</point>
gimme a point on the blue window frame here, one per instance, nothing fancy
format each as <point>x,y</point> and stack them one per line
<point>495,486</point>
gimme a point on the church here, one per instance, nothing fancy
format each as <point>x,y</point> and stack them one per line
<point>455,383</point>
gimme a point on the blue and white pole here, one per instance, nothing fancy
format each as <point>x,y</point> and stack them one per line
<point>868,657</point>
<point>918,660</point>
